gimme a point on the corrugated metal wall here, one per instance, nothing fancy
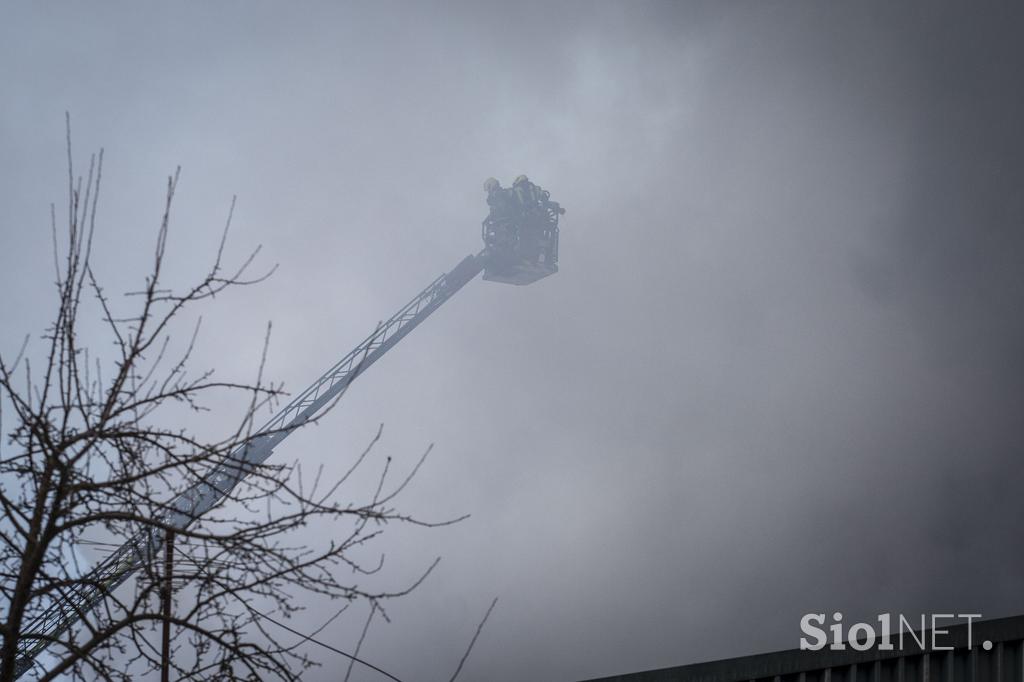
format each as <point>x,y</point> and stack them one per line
<point>1003,663</point>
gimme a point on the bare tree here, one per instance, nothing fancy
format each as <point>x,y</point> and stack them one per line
<point>97,447</point>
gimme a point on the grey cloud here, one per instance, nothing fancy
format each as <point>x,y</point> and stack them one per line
<point>779,370</point>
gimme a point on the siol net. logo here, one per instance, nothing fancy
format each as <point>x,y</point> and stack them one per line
<point>930,633</point>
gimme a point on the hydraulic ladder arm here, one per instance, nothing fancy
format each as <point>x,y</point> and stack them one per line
<point>81,597</point>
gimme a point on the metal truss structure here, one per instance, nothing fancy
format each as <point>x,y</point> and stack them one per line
<point>79,598</point>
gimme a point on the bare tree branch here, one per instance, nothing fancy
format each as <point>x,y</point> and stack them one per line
<point>97,449</point>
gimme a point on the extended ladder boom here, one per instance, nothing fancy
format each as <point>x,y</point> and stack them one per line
<point>82,596</point>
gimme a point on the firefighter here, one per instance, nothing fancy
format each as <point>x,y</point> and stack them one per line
<point>498,198</point>
<point>527,194</point>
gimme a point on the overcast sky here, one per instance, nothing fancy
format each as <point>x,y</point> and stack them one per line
<point>781,369</point>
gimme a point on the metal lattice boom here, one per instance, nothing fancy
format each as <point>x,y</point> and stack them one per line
<point>79,598</point>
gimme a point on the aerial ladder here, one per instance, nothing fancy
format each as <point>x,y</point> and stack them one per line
<point>520,248</point>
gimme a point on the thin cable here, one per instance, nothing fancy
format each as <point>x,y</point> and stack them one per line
<point>326,646</point>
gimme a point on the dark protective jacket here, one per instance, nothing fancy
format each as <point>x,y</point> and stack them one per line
<point>528,196</point>
<point>502,202</point>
